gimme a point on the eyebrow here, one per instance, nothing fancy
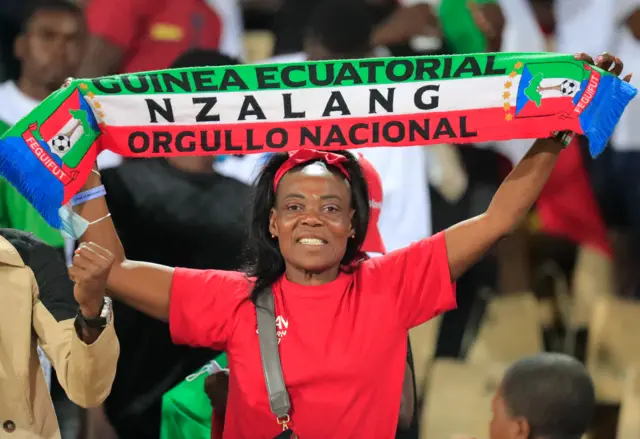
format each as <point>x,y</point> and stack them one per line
<point>323,197</point>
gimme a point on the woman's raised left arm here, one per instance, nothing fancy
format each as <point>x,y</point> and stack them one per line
<point>469,240</point>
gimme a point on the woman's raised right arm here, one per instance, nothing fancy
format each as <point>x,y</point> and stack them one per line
<point>141,285</point>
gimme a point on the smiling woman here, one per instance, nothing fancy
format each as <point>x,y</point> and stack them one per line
<point>345,315</point>
<point>311,213</point>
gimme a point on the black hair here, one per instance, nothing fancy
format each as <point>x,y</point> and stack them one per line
<point>266,261</point>
<point>202,57</point>
<point>67,6</point>
<point>553,392</point>
<point>342,26</point>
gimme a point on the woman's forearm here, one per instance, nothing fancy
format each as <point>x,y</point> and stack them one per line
<point>520,190</point>
<point>469,240</point>
<point>143,286</point>
<point>103,232</point>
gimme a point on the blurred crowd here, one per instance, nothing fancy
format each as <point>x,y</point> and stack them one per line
<point>565,282</point>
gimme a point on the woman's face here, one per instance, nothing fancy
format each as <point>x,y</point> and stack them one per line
<point>312,219</point>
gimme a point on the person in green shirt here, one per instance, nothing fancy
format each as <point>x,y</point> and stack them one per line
<point>49,47</point>
<point>17,213</point>
<point>471,26</point>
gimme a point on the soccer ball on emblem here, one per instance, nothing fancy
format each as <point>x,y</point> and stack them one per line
<point>569,87</point>
<point>60,144</point>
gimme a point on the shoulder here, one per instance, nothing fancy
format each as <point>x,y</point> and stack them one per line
<point>133,166</point>
<point>233,195</point>
<point>201,291</point>
<point>135,176</point>
<point>234,184</point>
<point>428,248</point>
<point>205,281</point>
<point>55,289</point>
<point>31,249</point>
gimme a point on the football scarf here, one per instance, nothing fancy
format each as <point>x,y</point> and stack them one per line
<point>248,109</point>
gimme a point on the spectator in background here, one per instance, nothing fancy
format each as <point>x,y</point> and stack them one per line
<point>566,209</point>
<point>407,27</point>
<point>128,36</point>
<point>543,397</point>
<point>174,211</point>
<point>341,29</point>
<point>471,26</point>
<point>619,183</point>
<point>467,27</point>
<point>139,35</point>
<point>396,24</point>
<point>41,305</point>
<point>49,48</point>
<point>615,173</point>
<point>10,19</point>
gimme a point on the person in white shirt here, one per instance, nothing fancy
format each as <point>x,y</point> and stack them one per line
<point>627,45</point>
<point>522,33</point>
<point>339,30</point>
<point>615,174</point>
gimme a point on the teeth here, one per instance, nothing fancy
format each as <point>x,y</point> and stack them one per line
<point>311,241</point>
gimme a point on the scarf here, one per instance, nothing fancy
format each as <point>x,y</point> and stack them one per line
<point>343,104</point>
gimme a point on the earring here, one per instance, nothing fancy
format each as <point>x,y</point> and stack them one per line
<point>273,236</point>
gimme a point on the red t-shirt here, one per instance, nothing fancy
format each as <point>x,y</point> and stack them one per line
<point>153,33</point>
<point>342,344</point>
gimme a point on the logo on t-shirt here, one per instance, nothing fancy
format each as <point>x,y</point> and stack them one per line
<point>282,325</point>
<point>166,32</point>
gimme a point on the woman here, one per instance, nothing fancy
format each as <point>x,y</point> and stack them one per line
<point>342,322</point>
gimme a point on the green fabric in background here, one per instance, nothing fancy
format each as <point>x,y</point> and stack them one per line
<point>460,31</point>
<point>186,409</point>
<point>17,213</point>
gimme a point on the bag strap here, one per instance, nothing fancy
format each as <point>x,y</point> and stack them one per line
<point>270,354</point>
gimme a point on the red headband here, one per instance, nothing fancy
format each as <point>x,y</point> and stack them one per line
<point>306,155</point>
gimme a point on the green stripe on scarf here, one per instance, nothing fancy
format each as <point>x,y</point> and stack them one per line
<point>382,71</point>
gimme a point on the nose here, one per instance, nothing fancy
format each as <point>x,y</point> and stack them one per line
<point>311,219</point>
<point>57,44</point>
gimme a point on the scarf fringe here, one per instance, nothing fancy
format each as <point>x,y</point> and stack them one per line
<point>608,115</point>
<point>29,178</point>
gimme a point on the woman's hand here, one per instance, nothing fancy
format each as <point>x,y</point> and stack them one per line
<point>607,62</point>
<point>468,241</point>
<point>216,386</point>
<point>90,271</point>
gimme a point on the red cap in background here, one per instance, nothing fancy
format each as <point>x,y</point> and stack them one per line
<point>373,241</point>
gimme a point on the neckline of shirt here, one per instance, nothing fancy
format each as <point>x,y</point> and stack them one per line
<point>329,288</point>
